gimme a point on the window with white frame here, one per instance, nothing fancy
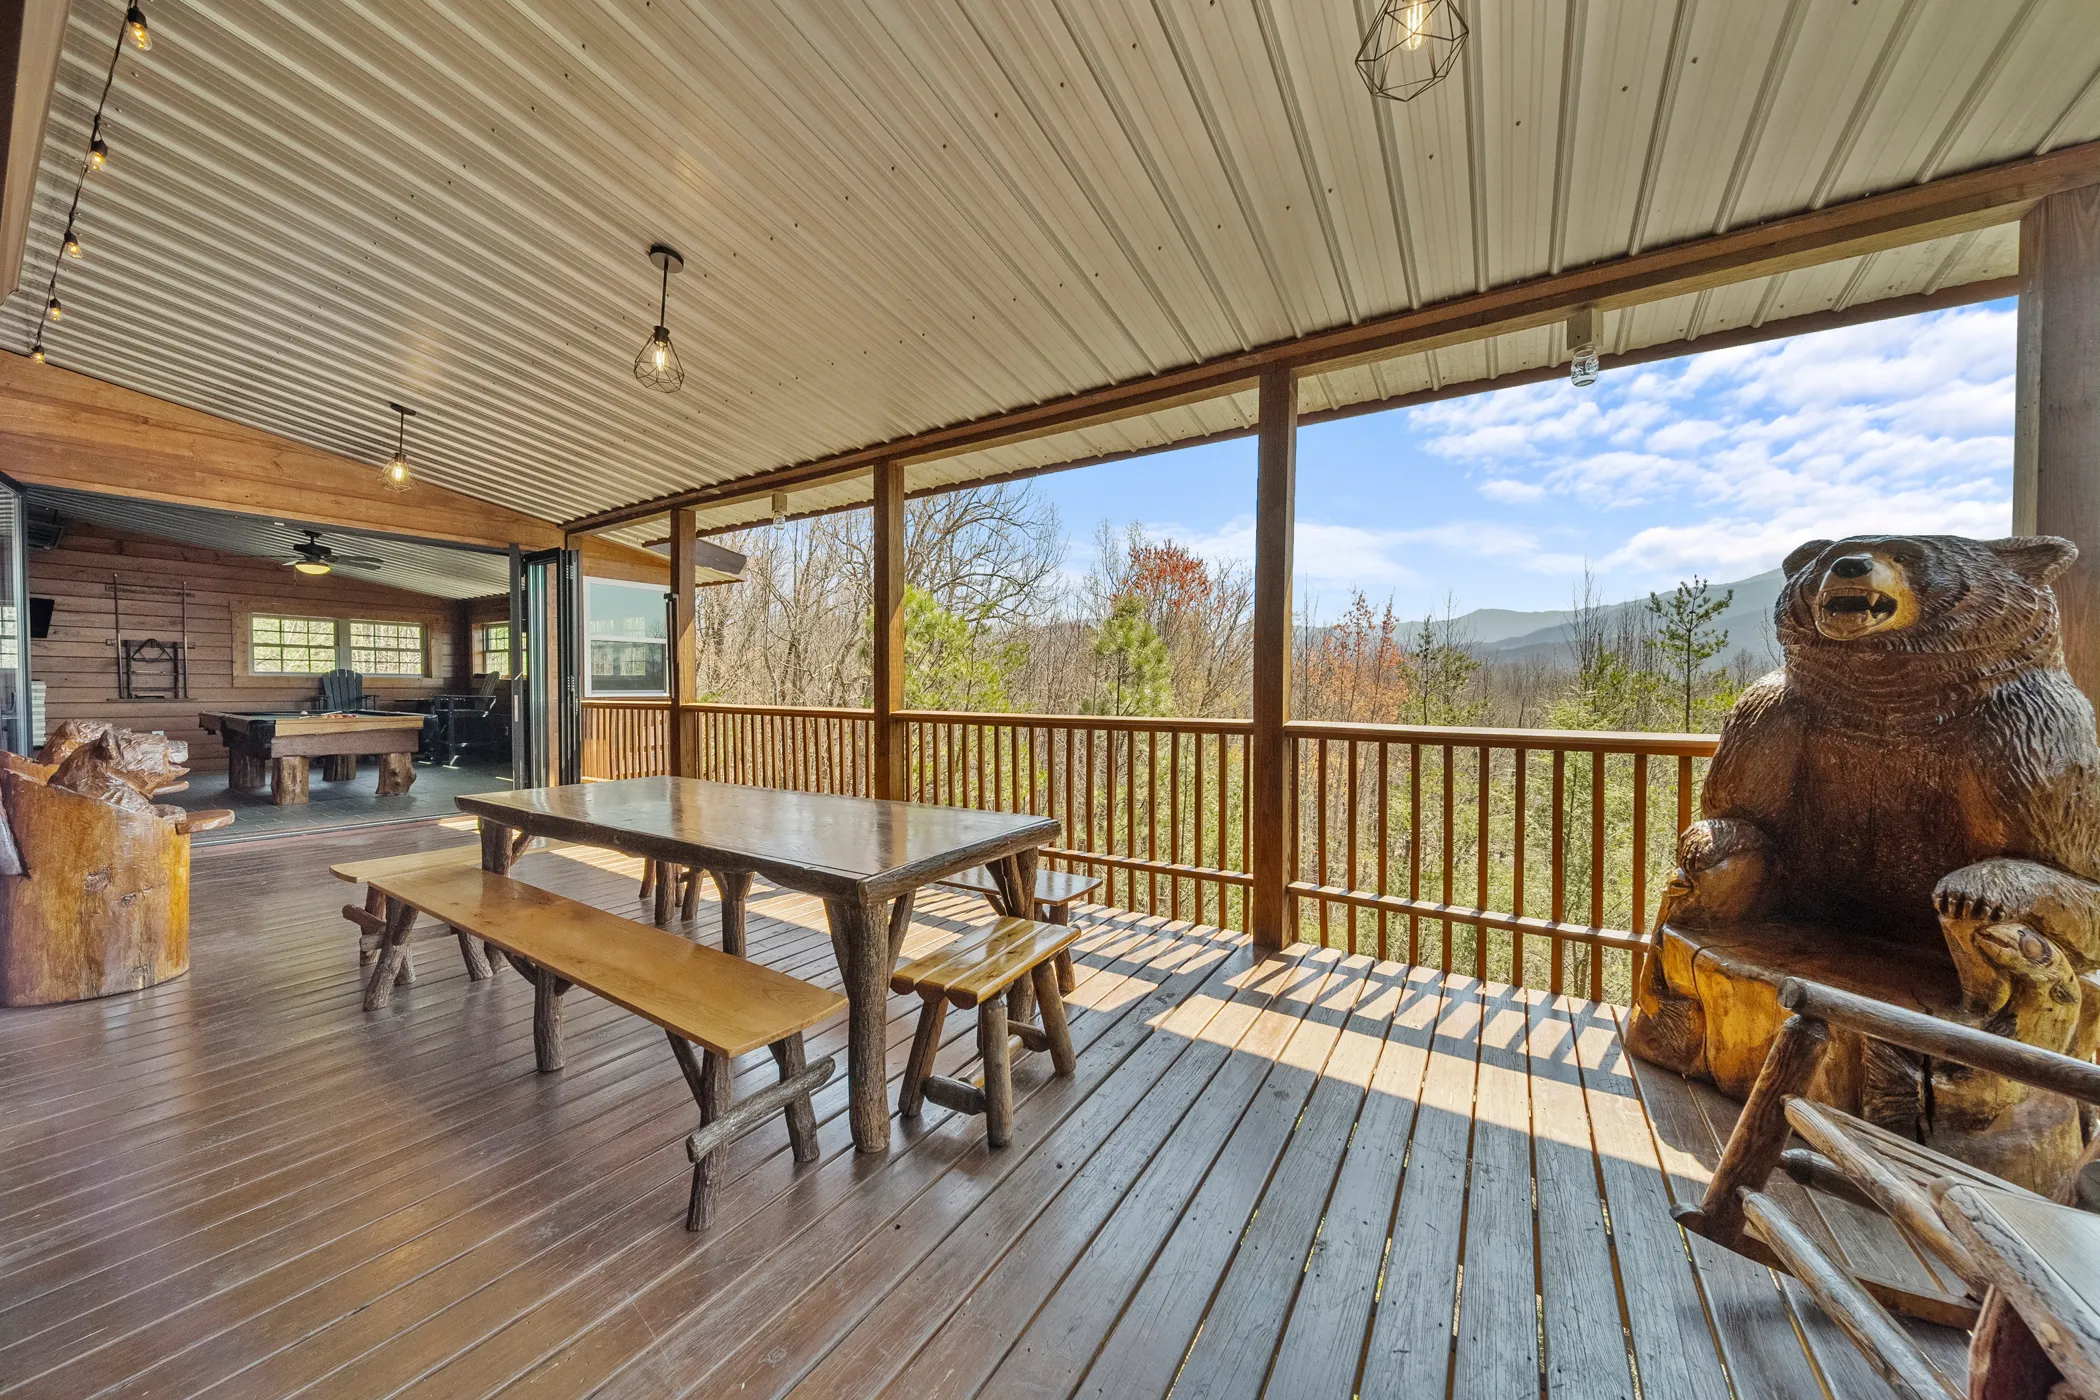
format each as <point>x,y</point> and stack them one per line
<point>626,629</point>
<point>291,646</point>
<point>492,648</point>
<point>387,649</point>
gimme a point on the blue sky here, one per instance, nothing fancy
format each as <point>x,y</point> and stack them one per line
<point>1714,464</point>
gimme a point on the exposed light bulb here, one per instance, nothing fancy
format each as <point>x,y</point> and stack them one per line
<point>135,26</point>
<point>55,311</point>
<point>1415,19</point>
<point>394,476</point>
<point>397,472</point>
<point>780,508</point>
<point>36,352</point>
<point>73,245</point>
<point>660,352</point>
<point>98,153</point>
<point>310,566</point>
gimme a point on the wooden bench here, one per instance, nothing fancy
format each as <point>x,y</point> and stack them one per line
<point>1056,891</point>
<point>370,920</point>
<point>985,968</point>
<point>698,995</point>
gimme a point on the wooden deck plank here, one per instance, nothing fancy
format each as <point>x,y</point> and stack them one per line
<point>1751,1316</point>
<point>1409,1352</point>
<point>1233,1352</point>
<point>1498,1339</point>
<point>1323,1342</point>
<point>1144,1350</point>
<point>238,1183</point>
<point>1666,1310</point>
<point>1585,1349</point>
<point>599,1323</point>
<point>954,1292</point>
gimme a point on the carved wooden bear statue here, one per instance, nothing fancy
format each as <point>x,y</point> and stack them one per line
<point>1922,770</point>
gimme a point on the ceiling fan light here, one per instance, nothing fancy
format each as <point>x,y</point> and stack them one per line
<point>311,566</point>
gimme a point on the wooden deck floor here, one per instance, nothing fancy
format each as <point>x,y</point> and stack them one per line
<point>1266,1178</point>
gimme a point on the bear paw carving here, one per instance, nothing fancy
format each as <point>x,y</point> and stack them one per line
<point>1722,874</point>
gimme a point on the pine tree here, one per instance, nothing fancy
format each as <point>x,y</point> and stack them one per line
<point>1138,670</point>
<point>1686,634</point>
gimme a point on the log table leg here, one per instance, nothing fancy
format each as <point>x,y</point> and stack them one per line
<point>288,781</point>
<point>393,965</point>
<point>245,772</point>
<point>733,887</point>
<point>339,767</point>
<point>547,992</point>
<point>1016,879</point>
<point>397,773</point>
<point>860,940</point>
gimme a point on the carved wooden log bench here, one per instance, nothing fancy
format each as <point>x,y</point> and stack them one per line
<point>370,920</point>
<point>700,996</point>
<point>1056,891</point>
<point>1952,1213</point>
<point>987,969</point>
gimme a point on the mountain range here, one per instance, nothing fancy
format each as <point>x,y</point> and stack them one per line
<point>1502,634</point>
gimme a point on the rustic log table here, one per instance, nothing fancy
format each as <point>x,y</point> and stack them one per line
<point>275,748</point>
<point>865,859</point>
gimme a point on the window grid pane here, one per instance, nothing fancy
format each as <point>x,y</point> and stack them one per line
<point>386,648</point>
<point>291,646</point>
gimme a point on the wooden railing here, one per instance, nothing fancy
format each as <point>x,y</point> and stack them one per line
<point>1527,856</point>
<point>626,738</point>
<point>1156,807</point>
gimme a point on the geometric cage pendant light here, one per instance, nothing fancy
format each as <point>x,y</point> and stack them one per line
<point>394,475</point>
<point>657,365</point>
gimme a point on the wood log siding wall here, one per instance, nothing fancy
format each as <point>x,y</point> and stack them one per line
<point>77,662</point>
<point>1533,857</point>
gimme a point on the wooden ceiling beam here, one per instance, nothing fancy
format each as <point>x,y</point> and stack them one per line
<point>1984,198</point>
<point>615,559</point>
<point>58,428</point>
<point>31,34</point>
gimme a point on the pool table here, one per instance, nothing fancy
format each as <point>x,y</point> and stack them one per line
<point>279,745</point>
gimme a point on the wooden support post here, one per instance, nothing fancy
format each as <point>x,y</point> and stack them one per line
<point>1275,509</point>
<point>888,669</point>
<point>685,633</point>
<point>2056,407</point>
<point>734,887</point>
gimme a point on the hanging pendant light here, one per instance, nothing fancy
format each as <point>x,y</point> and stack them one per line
<point>394,475</point>
<point>1410,47</point>
<point>135,27</point>
<point>657,365</point>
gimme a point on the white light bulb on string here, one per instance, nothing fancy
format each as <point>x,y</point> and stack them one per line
<point>73,249</point>
<point>780,509</point>
<point>135,27</point>
<point>55,309</point>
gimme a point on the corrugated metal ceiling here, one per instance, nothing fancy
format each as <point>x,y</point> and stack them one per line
<point>899,215</point>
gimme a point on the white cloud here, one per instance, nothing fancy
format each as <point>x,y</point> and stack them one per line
<point>1511,491</point>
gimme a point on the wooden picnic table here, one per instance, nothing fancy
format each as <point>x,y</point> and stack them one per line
<point>865,859</point>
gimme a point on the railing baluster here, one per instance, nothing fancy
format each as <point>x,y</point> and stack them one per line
<point>1385,806</point>
<point>1560,865</point>
<point>1518,837</point>
<point>1174,821</point>
<point>1414,849</point>
<point>1349,849</point>
<point>1481,770</point>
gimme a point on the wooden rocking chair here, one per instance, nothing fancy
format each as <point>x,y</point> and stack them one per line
<point>2032,1264</point>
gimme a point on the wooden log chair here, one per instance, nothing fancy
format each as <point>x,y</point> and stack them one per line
<point>987,968</point>
<point>2031,1265</point>
<point>700,997</point>
<point>1056,891</point>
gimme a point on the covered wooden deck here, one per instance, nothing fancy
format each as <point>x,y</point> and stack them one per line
<point>1313,1175</point>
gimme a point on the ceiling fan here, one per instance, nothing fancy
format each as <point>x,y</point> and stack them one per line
<point>310,556</point>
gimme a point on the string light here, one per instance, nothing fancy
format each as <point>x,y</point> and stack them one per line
<point>96,157</point>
